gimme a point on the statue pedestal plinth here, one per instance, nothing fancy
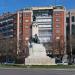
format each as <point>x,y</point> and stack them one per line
<point>37,56</point>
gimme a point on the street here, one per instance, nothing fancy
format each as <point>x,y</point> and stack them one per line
<point>36,72</point>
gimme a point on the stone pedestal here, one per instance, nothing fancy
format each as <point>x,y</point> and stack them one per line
<point>37,56</point>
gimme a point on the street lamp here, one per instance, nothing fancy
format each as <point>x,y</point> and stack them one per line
<point>26,44</point>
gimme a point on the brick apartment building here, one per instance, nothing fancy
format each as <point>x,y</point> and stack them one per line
<point>8,36</point>
<point>16,29</point>
<point>49,25</point>
<point>59,30</point>
<point>70,29</point>
<point>14,35</point>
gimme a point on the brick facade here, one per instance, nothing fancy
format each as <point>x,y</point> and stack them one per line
<point>58,31</point>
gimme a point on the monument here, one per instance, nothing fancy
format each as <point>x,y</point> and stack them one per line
<point>37,54</point>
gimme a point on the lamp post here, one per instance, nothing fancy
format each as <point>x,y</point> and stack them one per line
<point>26,44</point>
<point>70,40</point>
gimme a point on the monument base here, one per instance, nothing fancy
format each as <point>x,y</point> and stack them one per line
<point>39,61</point>
<point>38,56</point>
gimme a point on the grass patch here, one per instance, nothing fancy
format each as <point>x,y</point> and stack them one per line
<point>53,66</point>
<point>37,66</point>
<point>12,65</point>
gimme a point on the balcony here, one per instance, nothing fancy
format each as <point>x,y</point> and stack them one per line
<point>45,28</point>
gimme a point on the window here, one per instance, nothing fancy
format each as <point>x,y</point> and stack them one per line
<point>57,37</point>
<point>26,26</point>
<point>8,33</point>
<point>57,31</point>
<point>20,20</point>
<point>21,26</point>
<point>10,22</point>
<point>0,30</point>
<point>67,20</point>
<point>57,13</point>
<point>45,33</point>
<point>15,26</point>
<point>27,14</point>
<point>27,31</point>
<point>73,29</point>
<point>4,23</point>
<point>34,18</point>
<point>26,20</point>
<point>57,25</point>
<point>57,19</point>
<point>20,15</point>
<point>44,20</point>
<point>73,19</point>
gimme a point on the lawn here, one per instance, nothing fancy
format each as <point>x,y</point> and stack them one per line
<point>36,66</point>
